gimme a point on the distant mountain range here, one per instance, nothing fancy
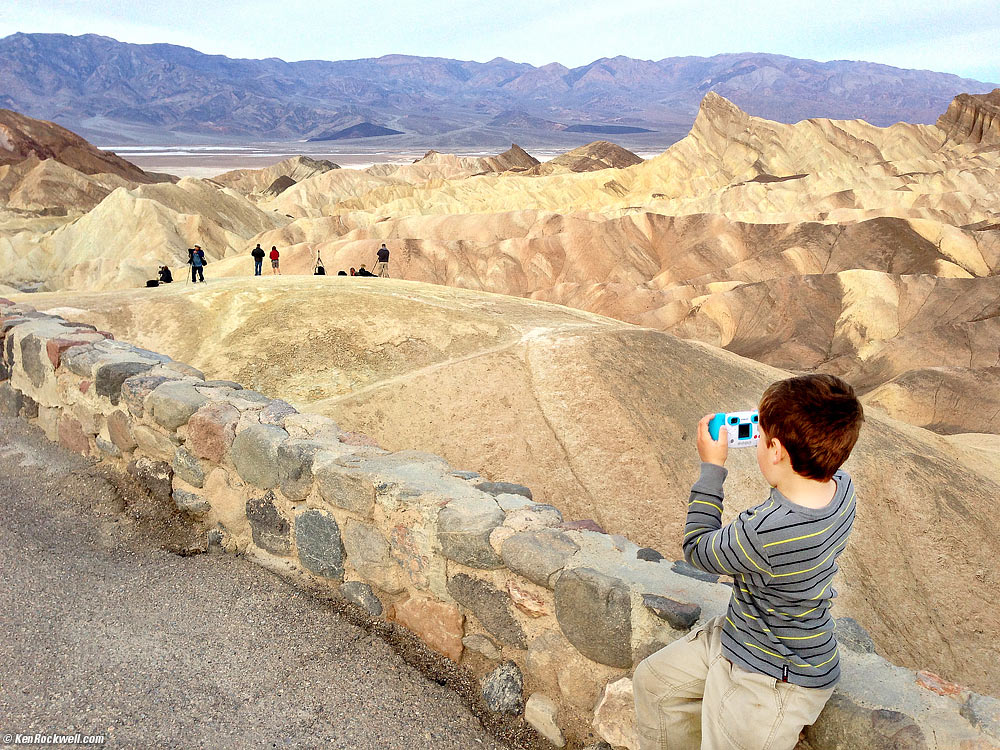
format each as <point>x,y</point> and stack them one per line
<point>117,93</point>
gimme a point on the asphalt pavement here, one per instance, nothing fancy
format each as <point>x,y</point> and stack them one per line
<point>106,631</point>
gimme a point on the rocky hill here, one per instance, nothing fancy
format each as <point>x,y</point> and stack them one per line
<point>23,137</point>
<point>824,245</point>
<point>590,158</point>
<point>597,417</point>
<point>254,181</point>
<point>111,90</point>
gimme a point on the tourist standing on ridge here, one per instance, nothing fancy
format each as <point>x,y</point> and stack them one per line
<point>274,260</point>
<point>196,259</point>
<point>258,259</point>
<point>382,265</point>
<point>754,677</point>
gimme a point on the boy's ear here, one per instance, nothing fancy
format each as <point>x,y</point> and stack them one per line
<point>775,450</point>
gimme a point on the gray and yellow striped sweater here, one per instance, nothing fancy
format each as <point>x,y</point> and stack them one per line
<point>782,558</point>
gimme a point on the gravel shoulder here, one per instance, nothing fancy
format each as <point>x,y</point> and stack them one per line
<point>105,631</point>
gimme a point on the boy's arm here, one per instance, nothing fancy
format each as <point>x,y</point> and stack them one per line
<point>707,545</point>
<point>712,547</point>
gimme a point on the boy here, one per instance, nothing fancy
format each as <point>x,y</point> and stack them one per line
<point>753,678</point>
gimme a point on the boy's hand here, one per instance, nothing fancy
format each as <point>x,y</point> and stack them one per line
<point>712,451</point>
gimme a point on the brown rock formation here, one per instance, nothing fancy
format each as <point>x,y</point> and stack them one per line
<point>22,137</point>
<point>590,158</point>
<point>277,187</point>
<point>515,159</point>
<point>296,169</point>
<point>973,119</point>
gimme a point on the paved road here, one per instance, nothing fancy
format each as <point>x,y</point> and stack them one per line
<point>103,631</point>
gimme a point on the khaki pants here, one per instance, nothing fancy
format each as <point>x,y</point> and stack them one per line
<point>688,696</point>
<point>381,269</point>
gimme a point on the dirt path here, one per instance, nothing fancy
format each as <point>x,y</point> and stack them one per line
<point>102,631</point>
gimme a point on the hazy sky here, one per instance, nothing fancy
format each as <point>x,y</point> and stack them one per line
<point>956,36</point>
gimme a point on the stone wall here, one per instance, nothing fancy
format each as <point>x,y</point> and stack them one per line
<point>552,615</point>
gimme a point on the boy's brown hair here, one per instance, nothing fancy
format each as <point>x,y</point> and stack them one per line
<point>817,419</point>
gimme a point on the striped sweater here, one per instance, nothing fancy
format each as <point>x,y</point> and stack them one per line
<point>782,558</point>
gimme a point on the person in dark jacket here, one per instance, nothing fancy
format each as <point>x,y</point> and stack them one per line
<point>382,265</point>
<point>164,277</point>
<point>258,259</point>
<point>196,259</point>
<point>362,271</point>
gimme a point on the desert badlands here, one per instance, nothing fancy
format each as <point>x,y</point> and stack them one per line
<point>564,324</point>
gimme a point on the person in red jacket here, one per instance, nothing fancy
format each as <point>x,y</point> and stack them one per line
<point>274,260</point>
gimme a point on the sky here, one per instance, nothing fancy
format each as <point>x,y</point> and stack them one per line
<point>957,36</point>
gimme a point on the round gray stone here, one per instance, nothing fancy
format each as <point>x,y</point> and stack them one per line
<point>276,411</point>
<point>189,502</point>
<point>361,594</point>
<point>11,400</point>
<point>107,447</point>
<point>135,389</point>
<point>463,530</point>
<point>503,689</point>
<point>173,403</point>
<point>188,468</point>
<point>295,462</point>
<point>844,723</point>
<point>320,547</point>
<point>254,452</point>
<point>594,611</point>
<point>538,555</point>
<point>109,377</point>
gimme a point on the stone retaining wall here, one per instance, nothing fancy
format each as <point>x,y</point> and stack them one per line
<point>552,615</point>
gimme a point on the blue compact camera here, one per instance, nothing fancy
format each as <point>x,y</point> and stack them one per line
<point>743,428</point>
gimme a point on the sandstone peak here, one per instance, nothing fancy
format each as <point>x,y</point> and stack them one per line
<point>514,158</point>
<point>717,111</point>
<point>296,169</point>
